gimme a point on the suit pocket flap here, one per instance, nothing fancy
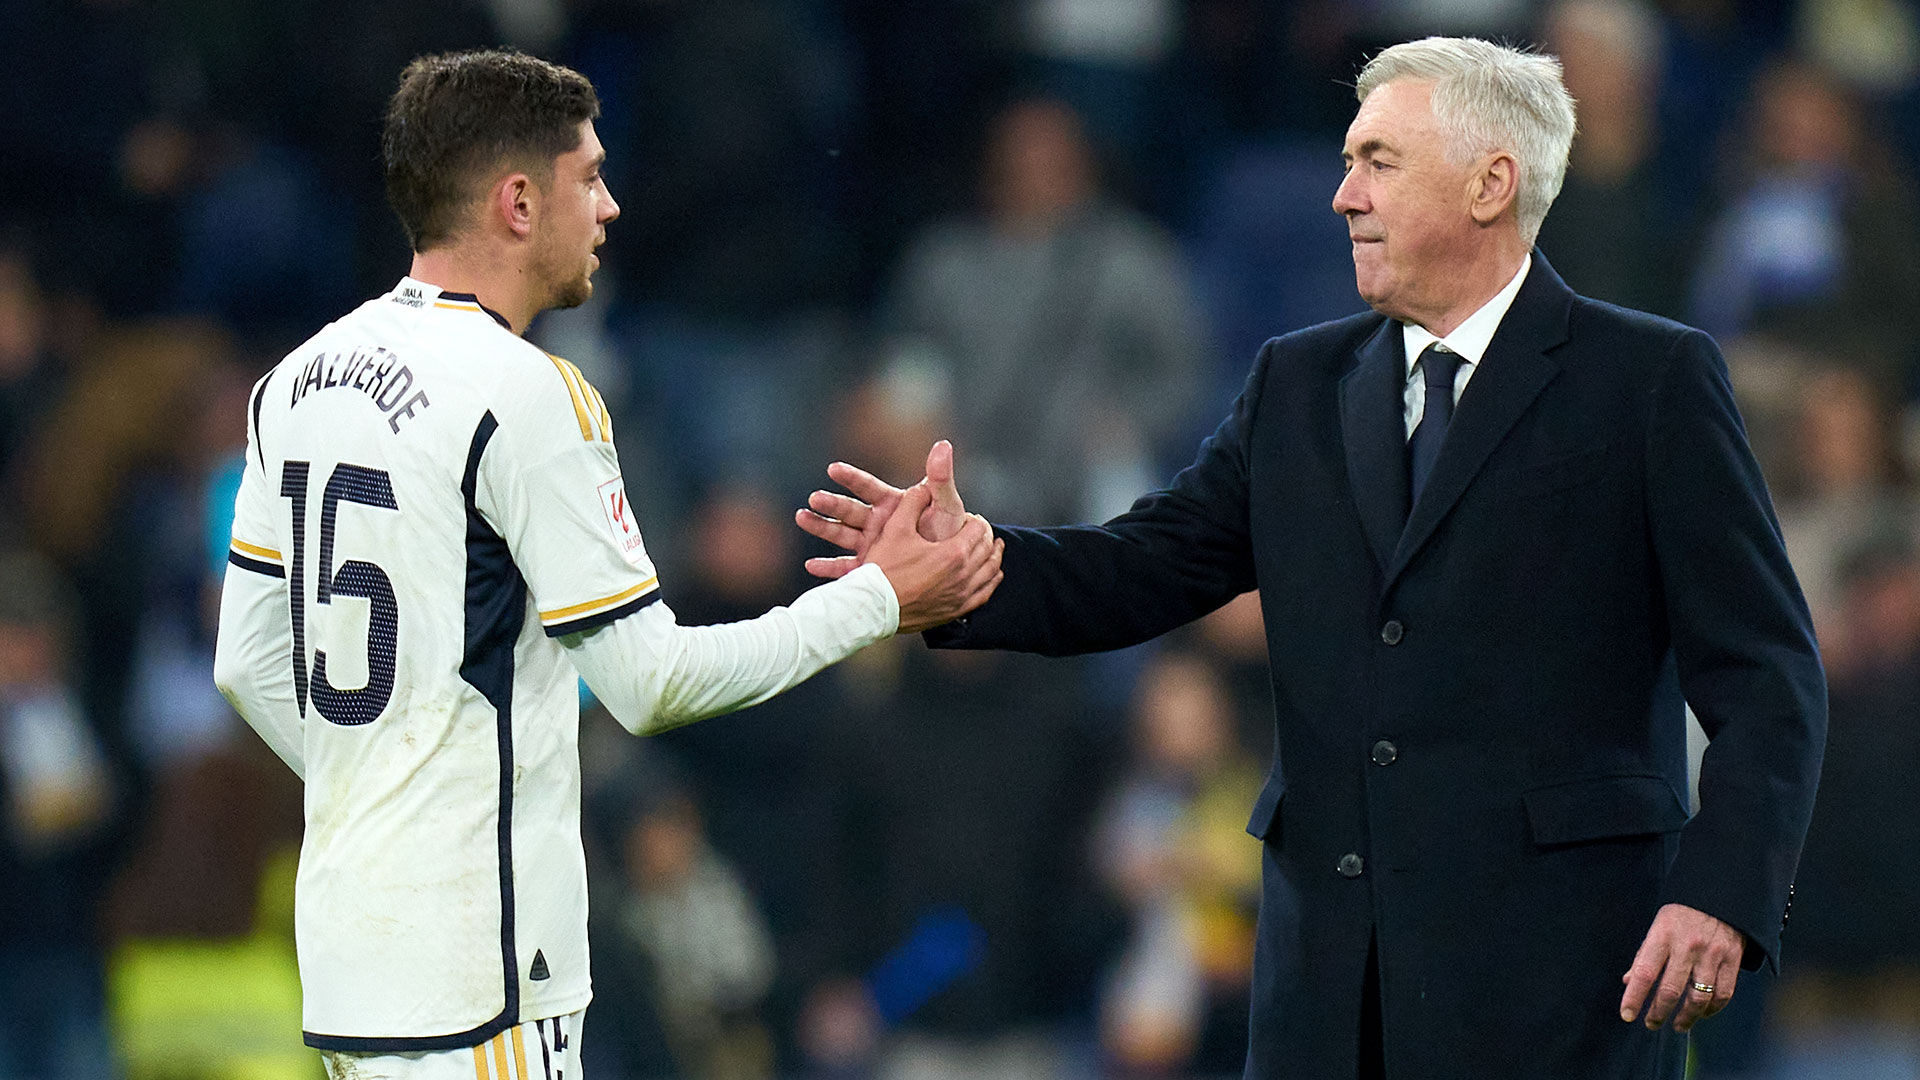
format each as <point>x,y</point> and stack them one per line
<point>1602,807</point>
<point>1265,822</point>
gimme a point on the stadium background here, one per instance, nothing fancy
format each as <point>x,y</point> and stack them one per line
<point>1055,230</point>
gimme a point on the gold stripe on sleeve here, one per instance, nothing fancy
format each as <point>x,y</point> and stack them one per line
<point>579,408</point>
<point>595,407</point>
<point>604,602</point>
<point>255,550</point>
<point>480,1062</point>
<point>500,1056</point>
<point>606,418</point>
<point>520,1054</point>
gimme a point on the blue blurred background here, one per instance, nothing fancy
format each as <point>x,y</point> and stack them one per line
<point>1053,230</point>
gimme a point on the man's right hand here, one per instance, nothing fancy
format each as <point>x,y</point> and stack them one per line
<point>936,581</point>
<point>854,521</point>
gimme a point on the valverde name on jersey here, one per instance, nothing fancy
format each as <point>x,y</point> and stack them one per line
<point>375,372</point>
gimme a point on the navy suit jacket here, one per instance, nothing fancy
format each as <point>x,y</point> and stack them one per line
<point>1481,755</point>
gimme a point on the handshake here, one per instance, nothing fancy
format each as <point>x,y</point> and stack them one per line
<point>941,561</point>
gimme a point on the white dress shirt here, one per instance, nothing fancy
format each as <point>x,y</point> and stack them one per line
<point>1470,340</point>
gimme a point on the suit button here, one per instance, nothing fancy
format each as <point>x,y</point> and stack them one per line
<point>1351,865</point>
<point>1385,752</point>
<point>1392,632</point>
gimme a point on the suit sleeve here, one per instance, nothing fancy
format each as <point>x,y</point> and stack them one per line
<point>1743,640</point>
<point>1178,554</point>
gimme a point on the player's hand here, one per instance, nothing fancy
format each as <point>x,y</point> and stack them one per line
<point>936,581</point>
<point>852,521</point>
<point>1685,950</point>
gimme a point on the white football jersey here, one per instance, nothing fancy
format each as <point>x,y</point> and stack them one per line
<point>441,500</point>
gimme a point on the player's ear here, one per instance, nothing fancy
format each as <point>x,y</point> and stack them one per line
<point>512,203</point>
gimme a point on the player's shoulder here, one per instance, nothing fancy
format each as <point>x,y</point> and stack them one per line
<point>570,400</point>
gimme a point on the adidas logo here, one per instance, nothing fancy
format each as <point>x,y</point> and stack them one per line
<point>539,970</point>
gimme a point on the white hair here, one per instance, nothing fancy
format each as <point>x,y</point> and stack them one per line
<point>1489,97</point>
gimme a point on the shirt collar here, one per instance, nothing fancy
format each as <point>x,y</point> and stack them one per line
<point>1471,338</point>
<point>416,293</point>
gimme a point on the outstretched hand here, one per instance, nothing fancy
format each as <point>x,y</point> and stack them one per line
<point>854,521</point>
<point>936,581</point>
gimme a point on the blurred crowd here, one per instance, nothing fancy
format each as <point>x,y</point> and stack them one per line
<point>1055,231</point>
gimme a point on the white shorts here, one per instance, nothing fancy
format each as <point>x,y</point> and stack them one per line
<point>536,1050</point>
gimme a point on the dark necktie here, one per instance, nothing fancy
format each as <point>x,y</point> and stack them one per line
<point>1438,367</point>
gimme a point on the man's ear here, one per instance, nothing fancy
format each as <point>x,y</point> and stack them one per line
<point>1495,185</point>
<point>512,203</point>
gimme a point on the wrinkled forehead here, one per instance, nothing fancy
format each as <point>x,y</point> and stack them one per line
<point>1397,114</point>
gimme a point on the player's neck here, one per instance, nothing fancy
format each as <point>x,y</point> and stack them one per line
<point>500,284</point>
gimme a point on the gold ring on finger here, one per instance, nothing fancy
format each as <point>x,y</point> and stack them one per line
<point>1705,988</point>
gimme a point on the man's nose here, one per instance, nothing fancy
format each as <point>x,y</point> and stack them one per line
<point>1347,197</point>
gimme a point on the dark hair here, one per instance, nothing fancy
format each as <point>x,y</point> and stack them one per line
<point>458,115</point>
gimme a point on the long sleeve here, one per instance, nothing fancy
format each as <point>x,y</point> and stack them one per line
<point>1744,644</point>
<point>251,664</point>
<point>1178,554</point>
<point>253,657</point>
<point>654,674</point>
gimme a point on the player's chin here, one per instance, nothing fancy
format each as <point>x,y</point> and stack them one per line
<point>574,293</point>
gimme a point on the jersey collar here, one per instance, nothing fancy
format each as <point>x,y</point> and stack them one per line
<point>419,293</point>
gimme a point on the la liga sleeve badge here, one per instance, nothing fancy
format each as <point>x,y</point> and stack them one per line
<point>626,533</point>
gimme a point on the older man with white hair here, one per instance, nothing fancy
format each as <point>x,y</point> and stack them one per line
<point>1502,535</point>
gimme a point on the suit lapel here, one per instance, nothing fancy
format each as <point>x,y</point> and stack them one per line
<point>1512,373</point>
<point>1374,427</point>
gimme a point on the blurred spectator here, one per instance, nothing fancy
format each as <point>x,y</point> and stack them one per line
<point>927,76</point>
<point>201,945</point>
<point>1872,45</point>
<point>1849,1005</point>
<point>264,246</point>
<point>961,931</point>
<point>1173,846</point>
<point>1843,488</point>
<point>337,69</point>
<point>1234,639</point>
<point>30,375</point>
<point>118,414</point>
<point>1611,235</point>
<point>57,792</point>
<point>721,119</point>
<point>89,101</point>
<point>1815,248</point>
<point>1395,20</point>
<point>726,123</point>
<point>675,910</point>
<point>1105,58</point>
<point>1270,256</point>
<point>1065,324</point>
<point>755,776</point>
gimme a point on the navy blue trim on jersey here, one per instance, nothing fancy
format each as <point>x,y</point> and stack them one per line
<point>259,393</point>
<point>469,298</point>
<point>256,565</point>
<point>496,603</point>
<point>496,608</point>
<point>594,622</point>
<point>457,1041</point>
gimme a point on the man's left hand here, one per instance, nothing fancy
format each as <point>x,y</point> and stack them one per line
<point>1691,960</point>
